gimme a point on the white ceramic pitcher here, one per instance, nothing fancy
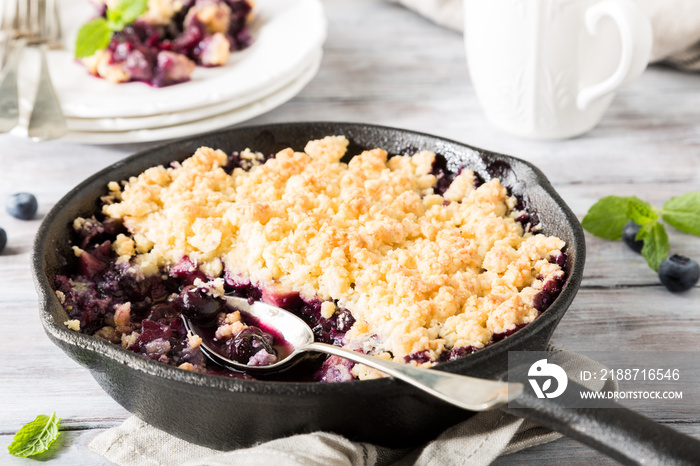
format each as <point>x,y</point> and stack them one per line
<point>548,69</point>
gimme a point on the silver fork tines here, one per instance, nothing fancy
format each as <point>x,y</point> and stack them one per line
<point>46,120</point>
<point>14,22</point>
<point>56,31</point>
<point>6,20</point>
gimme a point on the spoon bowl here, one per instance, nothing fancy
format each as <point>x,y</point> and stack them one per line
<point>292,335</point>
<point>295,338</point>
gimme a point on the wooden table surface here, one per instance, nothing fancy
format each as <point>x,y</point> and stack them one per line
<point>386,65</point>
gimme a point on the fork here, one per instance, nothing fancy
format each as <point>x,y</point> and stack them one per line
<point>15,22</point>
<point>46,120</point>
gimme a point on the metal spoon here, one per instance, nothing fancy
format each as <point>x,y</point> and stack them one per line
<point>466,392</point>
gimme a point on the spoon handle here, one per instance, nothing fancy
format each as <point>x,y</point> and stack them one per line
<point>460,390</point>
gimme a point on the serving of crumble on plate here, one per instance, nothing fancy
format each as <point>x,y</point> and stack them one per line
<point>163,45</point>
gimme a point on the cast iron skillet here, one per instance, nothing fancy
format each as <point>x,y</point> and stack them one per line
<point>225,413</point>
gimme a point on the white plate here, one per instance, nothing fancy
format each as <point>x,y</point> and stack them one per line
<point>185,116</point>
<point>285,32</point>
<point>208,124</point>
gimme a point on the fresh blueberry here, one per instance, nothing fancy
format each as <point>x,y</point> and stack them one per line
<point>629,234</point>
<point>22,206</point>
<point>247,343</point>
<point>679,273</point>
<point>3,239</point>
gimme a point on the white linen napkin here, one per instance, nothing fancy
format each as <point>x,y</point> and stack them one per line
<point>477,442</point>
<point>676,25</point>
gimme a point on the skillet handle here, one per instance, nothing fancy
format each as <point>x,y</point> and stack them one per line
<point>618,432</point>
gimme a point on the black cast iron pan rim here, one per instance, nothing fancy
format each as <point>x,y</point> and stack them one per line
<point>60,333</point>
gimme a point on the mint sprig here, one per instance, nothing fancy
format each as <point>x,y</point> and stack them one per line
<point>125,12</point>
<point>35,437</point>
<point>96,34</point>
<point>608,217</point>
<point>683,212</point>
<point>656,246</point>
<point>640,212</point>
<point>93,36</point>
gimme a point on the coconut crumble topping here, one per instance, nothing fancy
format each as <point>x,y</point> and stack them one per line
<point>420,272</point>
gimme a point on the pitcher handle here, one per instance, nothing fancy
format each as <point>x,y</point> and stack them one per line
<point>636,37</point>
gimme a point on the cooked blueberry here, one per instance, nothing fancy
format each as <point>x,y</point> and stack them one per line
<point>550,291</point>
<point>629,234</point>
<point>162,312</point>
<point>679,273</point>
<point>3,239</point>
<point>420,357</point>
<point>187,272</point>
<point>90,266</point>
<point>92,230</point>
<point>247,343</point>
<point>22,206</point>
<point>457,353</point>
<point>196,304</point>
<point>151,331</point>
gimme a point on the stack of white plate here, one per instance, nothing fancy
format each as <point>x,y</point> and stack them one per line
<point>285,56</point>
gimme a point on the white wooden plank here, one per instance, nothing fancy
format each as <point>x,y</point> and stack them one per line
<point>69,448</point>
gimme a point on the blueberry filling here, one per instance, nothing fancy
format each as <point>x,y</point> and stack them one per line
<point>100,284</point>
<point>443,175</point>
<point>551,288</point>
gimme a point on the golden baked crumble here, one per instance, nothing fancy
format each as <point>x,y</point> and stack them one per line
<point>420,272</point>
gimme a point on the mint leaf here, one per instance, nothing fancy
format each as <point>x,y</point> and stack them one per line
<point>607,217</point>
<point>125,12</point>
<point>96,34</point>
<point>656,245</point>
<point>683,212</point>
<point>36,436</point>
<point>641,212</point>
<point>93,36</point>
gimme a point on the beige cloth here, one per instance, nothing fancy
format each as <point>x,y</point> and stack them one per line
<point>477,442</point>
<point>676,25</point>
